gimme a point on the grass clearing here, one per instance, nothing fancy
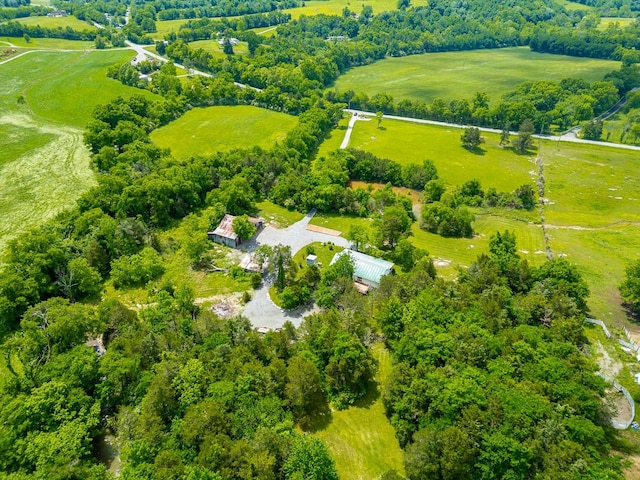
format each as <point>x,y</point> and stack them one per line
<point>335,7</point>
<point>408,143</point>
<point>360,439</point>
<point>622,22</point>
<point>165,27</point>
<point>339,222</point>
<point>461,74</point>
<point>78,86</point>
<point>590,185</point>
<point>216,50</point>
<point>204,131</point>
<point>57,22</point>
<point>277,214</point>
<point>49,43</point>
<point>572,6</point>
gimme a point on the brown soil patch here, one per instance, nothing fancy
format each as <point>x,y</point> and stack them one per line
<point>326,231</point>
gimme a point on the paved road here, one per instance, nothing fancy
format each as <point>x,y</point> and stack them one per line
<point>565,137</point>
<point>260,310</point>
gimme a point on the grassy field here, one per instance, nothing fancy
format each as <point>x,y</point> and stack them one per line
<point>55,22</point>
<point>593,209</point>
<point>335,7</point>
<point>48,43</point>
<point>203,131</point>
<point>277,214</point>
<point>44,164</point>
<point>212,46</point>
<point>167,26</point>
<point>460,74</point>
<point>621,21</point>
<point>361,440</point>
<point>590,186</point>
<point>338,222</point>
<point>407,143</point>
<point>571,6</point>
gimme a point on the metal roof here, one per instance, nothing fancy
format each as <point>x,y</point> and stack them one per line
<point>225,229</point>
<point>366,266</point>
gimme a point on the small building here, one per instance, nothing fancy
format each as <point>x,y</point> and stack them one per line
<point>232,41</point>
<point>367,270</point>
<point>312,259</point>
<point>225,235</point>
<point>249,264</point>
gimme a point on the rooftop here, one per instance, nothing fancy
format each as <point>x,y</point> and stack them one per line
<point>366,266</point>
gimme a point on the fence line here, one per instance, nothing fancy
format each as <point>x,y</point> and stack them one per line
<point>601,323</point>
<point>624,425</point>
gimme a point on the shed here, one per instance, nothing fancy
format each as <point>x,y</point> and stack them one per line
<point>312,259</point>
<point>367,270</point>
<point>225,235</point>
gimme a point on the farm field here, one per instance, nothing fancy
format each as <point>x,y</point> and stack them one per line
<point>461,74</point>
<point>621,21</point>
<point>48,43</point>
<point>212,46</point>
<point>361,440</point>
<point>55,22</point>
<point>593,195</point>
<point>407,143</point>
<point>203,131</point>
<point>45,164</point>
<point>165,27</point>
<point>335,7</point>
<point>570,6</point>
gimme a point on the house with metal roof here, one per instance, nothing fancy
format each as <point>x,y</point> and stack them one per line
<point>367,270</point>
<point>225,235</point>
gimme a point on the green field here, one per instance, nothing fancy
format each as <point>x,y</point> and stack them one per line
<point>277,214</point>
<point>55,22</point>
<point>335,7</point>
<point>45,164</point>
<point>621,21</point>
<point>592,192</point>
<point>361,440</point>
<point>48,43</point>
<point>167,26</point>
<point>407,143</point>
<point>571,6</point>
<point>212,46</point>
<point>203,131</point>
<point>461,74</point>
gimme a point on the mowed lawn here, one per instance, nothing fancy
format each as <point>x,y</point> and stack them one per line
<point>55,22</point>
<point>48,43</point>
<point>204,131</point>
<point>461,74</point>
<point>335,7</point>
<point>360,439</point>
<point>167,26</point>
<point>407,143</point>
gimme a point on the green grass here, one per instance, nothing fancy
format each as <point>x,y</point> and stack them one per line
<point>621,21</point>
<point>460,74</point>
<point>572,6</point>
<point>407,143</point>
<point>212,47</point>
<point>167,26</point>
<point>590,185</point>
<point>55,22</point>
<point>360,439</point>
<point>338,222</point>
<point>280,215</point>
<point>17,141</point>
<point>49,43</point>
<point>79,86</point>
<point>335,7</point>
<point>333,140</point>
<point>325,254</point>
<point>203,131</point>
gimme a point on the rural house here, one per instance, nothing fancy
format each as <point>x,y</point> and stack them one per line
<point>225,235</point>
<point>367,270</point>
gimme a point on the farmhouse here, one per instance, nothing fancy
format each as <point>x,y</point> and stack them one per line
<point>225,235</point>
<point>367,270</point>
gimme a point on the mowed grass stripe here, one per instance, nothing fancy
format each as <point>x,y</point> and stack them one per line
<point>55,22</point>
<point>461,74</point>
<point>204,131</point>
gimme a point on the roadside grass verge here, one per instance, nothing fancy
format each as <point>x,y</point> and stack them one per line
<point>360,439</point>
<point>204,131</point>
<point>461,74</point>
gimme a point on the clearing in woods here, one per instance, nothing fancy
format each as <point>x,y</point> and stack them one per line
<point>204,131</point>
<point>461,74</point>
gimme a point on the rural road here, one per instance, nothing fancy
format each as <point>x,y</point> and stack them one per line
<point>565,137</point>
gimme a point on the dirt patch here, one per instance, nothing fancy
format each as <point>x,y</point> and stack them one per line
<point>609,367</point>
<point>225,306</point>
<point>632,472</point>
<point>326,231</point>
<point>622,412</point>
<point>441,262</point>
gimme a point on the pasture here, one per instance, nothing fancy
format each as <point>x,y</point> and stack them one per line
<point>461,74</point>
<point>605,22</point>
<point>47,43</point>
<point>212,47</point>
<point>164,27</point>
<point>204,131</point>
<point>335,7</point>
<point>57,22</point>
<point>361,440</point>
<point>592,210</point>
<point>572,6</point>
<point>45,100</point>
<point>407,143</point>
